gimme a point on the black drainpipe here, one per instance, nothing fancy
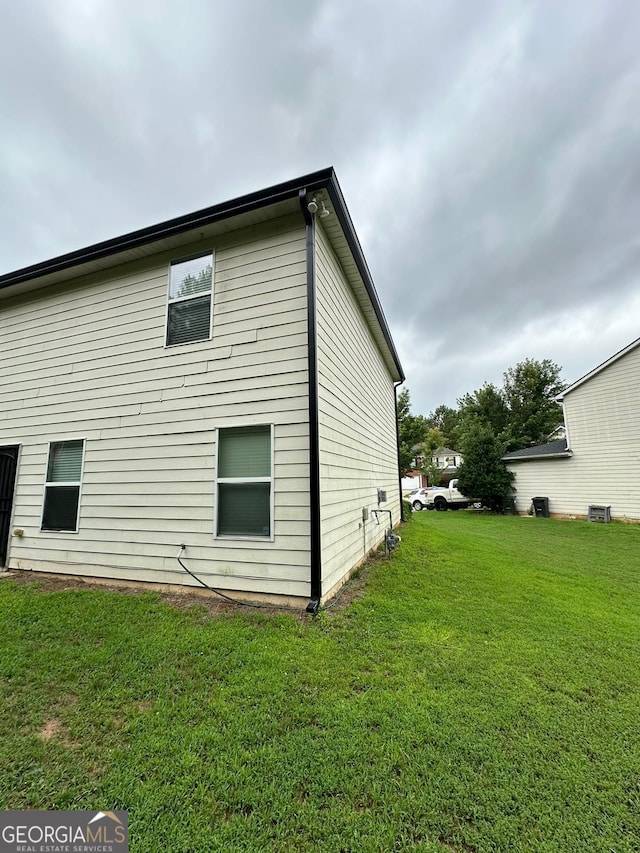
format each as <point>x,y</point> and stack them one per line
<point>395,397</point>
<point>314,454</point>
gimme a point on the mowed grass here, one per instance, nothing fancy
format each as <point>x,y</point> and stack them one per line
<point>483,694</point>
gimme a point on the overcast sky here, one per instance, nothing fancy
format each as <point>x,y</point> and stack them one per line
<point>489,152</point>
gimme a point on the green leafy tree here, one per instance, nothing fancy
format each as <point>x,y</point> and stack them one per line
<point>432,442</point>
<point>412,432</point>
<point>529,389</point>
<point>487,405</point>
<point>447,420</point>
<point>483,475</point>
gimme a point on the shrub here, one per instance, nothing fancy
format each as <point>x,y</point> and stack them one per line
<point>483,475</point>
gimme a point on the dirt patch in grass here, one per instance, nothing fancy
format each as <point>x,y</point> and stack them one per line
<point>191,597</point>
<point>194,597</point>
<point>50,729</point>
<point>188,599</point>
<point>181,599</point>
<point>54,729</point>
<point>42,582</point>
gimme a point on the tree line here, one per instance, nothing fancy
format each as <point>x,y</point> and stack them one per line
<point>485,424</point>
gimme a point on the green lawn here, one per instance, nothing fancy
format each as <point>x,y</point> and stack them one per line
<point>481,694</point>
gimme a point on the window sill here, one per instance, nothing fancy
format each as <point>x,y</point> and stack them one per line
<point>186,343</point>
<point>229,537</point>
<point>57,530</point>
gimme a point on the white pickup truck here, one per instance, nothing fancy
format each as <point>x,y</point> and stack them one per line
<point>447,498</point>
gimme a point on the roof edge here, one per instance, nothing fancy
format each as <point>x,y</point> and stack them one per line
<point>549,450</point>
<point>223,210</point>
<point>565,454</point>
<point>314,181</point>
<point>346,223</point>
<point>560,397</point>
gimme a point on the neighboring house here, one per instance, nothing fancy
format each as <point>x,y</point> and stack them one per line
<point>444,457</point>
<point>598,462</point>
<point>205,382</point>
<point>413,480</point>
<point>559,432</point>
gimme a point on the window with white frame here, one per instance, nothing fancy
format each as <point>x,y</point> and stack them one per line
<point>190,299</point>
<point>62,487</point>
<point>244,483</point>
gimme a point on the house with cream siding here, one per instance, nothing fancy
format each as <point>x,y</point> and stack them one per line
<point>444,457</point>
<point>200,390</point>
<point>597,463</point>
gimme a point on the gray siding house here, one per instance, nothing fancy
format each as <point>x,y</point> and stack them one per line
<point>205,383</point>
<point>598,462</point>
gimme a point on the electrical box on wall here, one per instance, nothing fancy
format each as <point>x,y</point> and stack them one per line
<point>365,513</point>
<point>382,496</point>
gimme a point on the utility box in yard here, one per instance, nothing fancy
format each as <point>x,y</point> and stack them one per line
<point>599,513</point>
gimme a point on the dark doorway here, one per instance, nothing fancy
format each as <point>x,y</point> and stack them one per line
<point>8,465</point>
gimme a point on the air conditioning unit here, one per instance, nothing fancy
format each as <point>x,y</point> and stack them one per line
<point>599,513</point>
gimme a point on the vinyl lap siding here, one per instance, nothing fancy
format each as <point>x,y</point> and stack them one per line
<point>548,478</point>
<point>87,360</point>
<point>358,450</point>
<point>602,419</point>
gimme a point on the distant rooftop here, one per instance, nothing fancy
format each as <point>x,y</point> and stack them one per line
<point>540,451</point>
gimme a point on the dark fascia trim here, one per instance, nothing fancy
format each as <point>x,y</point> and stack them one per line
<point>242,204</point>
<point>566,454</point>
<point>340,207</point>
<point>314,422</point>
<point>313,182</point>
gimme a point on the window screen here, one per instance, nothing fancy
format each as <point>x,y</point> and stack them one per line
<point>65,462</point>
<point>244,509</point>
<point>245,452</point>
<point>189,308</point>
<point>62,488</point>
<point>244,482</point>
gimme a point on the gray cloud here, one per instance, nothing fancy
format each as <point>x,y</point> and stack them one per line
<point>488,152</point>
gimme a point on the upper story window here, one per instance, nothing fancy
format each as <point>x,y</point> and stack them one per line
<point>190,300</point>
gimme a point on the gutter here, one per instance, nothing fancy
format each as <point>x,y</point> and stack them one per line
<point>242,204</point>
<point>567,435</point>
<point>308,184</point>
<point>314,427</point>
<point>566,454</point>
<point>395,399</point>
